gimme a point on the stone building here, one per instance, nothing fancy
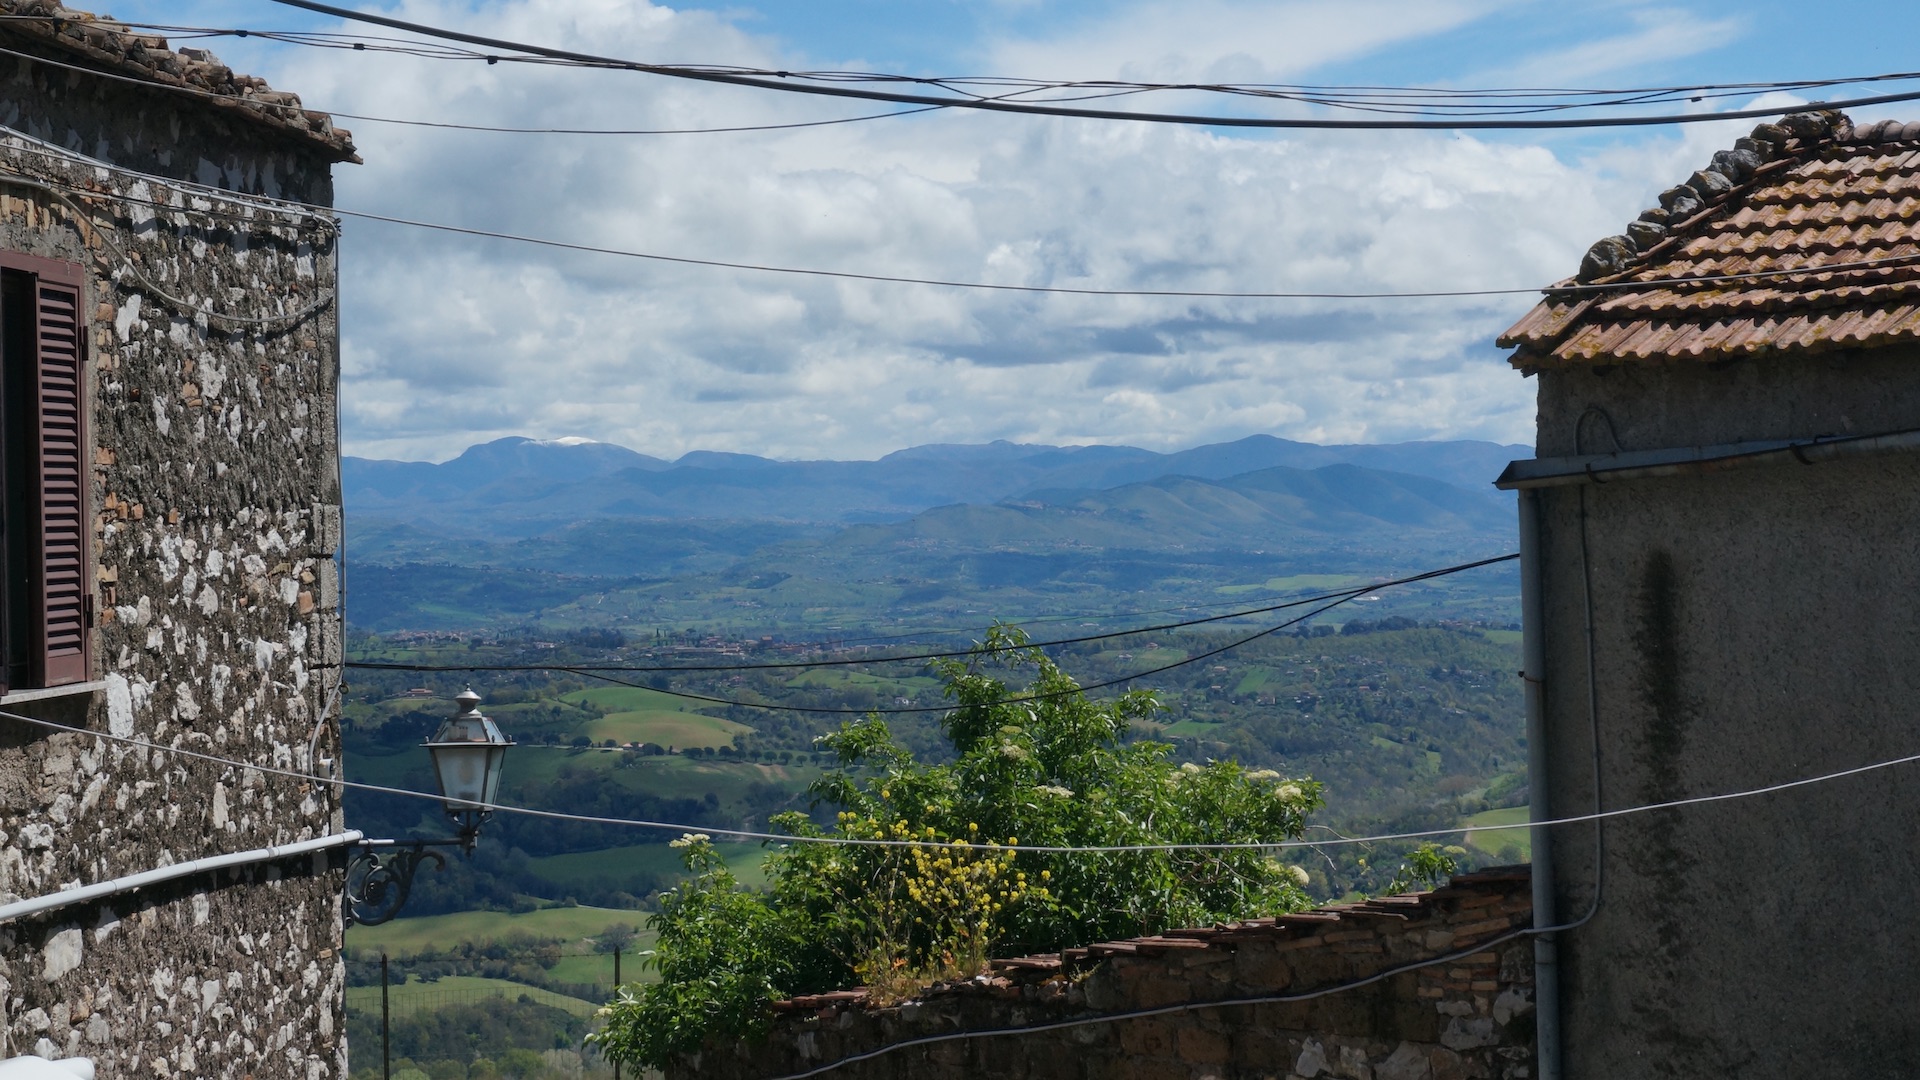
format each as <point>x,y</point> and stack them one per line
<point>1722,537</point>
<point>169,517</point>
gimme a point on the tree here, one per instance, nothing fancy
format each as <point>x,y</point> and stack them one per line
<point>1039,766</point>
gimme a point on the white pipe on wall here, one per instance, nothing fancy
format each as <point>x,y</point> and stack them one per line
<point>21,908</point>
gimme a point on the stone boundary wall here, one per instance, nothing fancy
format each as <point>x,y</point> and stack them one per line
<point>1467,1018</point>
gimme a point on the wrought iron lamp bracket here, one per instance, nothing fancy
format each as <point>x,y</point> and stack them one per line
<point>380,875</point>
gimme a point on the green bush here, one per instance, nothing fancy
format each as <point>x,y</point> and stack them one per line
<point>1038,766</point>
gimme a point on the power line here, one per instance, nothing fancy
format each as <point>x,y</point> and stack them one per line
<point>782,81</point>
<point>902,710</point>
<point>301,110</point>
<point>1038,849</point>
<point>1564,288</point>
<point>941,655</point>
<point>1559,289</point>
<point>1400,99</point>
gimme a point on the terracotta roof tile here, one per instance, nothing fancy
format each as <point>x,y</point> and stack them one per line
<point>99,42</point>
<point>1823,199</point>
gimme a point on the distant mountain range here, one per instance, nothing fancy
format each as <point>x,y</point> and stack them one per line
<point>523,531</point>
<point>527,486</point>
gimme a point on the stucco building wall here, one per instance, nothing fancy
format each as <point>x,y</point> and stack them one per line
<point>215,510</point>
<point>1752,626</point>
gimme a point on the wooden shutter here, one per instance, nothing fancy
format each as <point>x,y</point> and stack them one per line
<point>63,648</point>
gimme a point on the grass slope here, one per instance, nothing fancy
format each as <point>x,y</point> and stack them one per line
<point>408,936</point>
<point>1491,840</point>
<point>415,997</point>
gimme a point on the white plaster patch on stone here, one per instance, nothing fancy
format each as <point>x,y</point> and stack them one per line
<point>97,1030</point>
<point>208,603</point>
<point>1312,1060</point>
<point>263,653</point>
<point>143,611</point>
<point>1407,1062</point>
<point>169,556</point>
<point>184,706</point>
<point>1509,1004</point>
<point>209,993</point>
<point>138,212</point>
<point>126,613</point>
<point>219,805</point>
<point>119,705</point>
<point>190,582</point>
<point>212,376</point>
<point>127,316</point>
<point>105,925</point>
<point>63,953</point>
<point>216,563</point>
<point>217,679</point>
<point>62,809</point>
<point>297,639</point>
<point>1464,1034</point>
<point>202,909</point>
<point>289,590</point>
<point>154,638</point>
<point>160,418</point>
<point>273,542</point>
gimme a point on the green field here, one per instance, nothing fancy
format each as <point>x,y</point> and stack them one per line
<point>572,924</point>
<point>566,870</point>
<point>639,715</point>
<point>410,997</point>
<point>659,726</point>
<point>1491,840</point>
<point>1295,583</point>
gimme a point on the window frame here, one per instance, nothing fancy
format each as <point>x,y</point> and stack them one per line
<point>61,603</point>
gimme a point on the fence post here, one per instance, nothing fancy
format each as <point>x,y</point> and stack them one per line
<point>386,1039</point>
<point>616,993</point>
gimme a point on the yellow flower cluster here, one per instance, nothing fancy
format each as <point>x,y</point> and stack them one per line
<point>954,894</point>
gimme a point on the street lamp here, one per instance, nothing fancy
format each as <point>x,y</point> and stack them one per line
<point>468,753</point>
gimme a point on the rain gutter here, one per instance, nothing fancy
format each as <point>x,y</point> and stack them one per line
<point>1533,676</point>
<point>1687,460</point>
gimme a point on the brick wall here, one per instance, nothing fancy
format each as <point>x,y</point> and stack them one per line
<point>1470,1017</point>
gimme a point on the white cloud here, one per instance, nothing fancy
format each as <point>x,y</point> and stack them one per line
<point>1228,40</point>
<point>451,340</point>
<point>1657,34</point>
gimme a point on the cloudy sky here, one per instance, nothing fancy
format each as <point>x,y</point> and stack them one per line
<point>452,340</point>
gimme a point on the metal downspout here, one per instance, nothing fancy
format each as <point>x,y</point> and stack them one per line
<point>1546,957</point>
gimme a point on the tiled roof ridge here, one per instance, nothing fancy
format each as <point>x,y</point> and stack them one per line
<point>1763,151</point>
<point>116,48</point>
<point>1007,975</point>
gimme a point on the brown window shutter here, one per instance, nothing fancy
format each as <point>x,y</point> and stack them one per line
<point>64,649</point>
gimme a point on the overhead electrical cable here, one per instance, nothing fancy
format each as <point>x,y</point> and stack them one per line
<point>783,82</point>
<point>1563,288</point>
<point>1370,97</point>
<point>370,665</point>
<point>269,106</point>
<point>143,743</point>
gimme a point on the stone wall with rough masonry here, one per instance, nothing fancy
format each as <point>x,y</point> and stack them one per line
<point>1470,1017</point>
<point>210,385</point>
